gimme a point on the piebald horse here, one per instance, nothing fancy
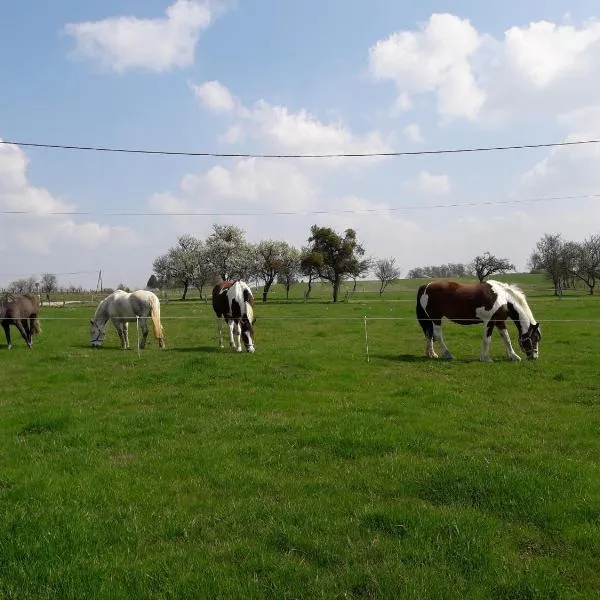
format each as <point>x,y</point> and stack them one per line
<point>22,312</point>
<point>490,303</point>
<point>233,302</point>
<point>123,308</point>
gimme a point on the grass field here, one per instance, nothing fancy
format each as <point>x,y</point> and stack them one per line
<point>303,470</point>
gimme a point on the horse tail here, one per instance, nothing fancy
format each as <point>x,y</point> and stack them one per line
<point>155,312</point>
<point>424,321</point>
<point>35,325</point>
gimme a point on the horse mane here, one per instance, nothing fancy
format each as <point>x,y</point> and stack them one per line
<point>519,296</point>
<point>101,306</point>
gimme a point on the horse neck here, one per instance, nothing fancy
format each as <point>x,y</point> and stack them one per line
<point>101,314</point>
<point>523,318</point>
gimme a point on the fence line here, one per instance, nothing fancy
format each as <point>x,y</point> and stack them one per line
<point>263,318</point>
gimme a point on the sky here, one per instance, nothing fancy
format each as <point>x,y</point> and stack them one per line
<point>283,77</point>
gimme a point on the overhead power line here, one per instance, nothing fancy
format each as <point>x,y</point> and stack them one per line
<point>299,212</point>
<point>332,155</point>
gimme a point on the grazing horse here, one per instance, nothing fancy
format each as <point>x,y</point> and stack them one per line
<point>20,311</point>
<point>490,303</point>
<point>234,302</point>
<point>122,308</point>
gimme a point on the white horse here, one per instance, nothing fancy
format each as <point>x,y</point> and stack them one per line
<point>123,308</point>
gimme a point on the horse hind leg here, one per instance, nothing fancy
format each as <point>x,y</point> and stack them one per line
<point>220,332</point>
<point>144,327</point>
<point>429,351</point>
<point>235,333</point>
<point>126,334</point>
<point>488,328</point>
<point>439,336</point>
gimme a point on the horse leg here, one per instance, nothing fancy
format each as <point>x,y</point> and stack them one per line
<point>144,326</point>
<point>439,336</point>
<point>488,328</point>
<point>512,355</point>
<point>28,330</point>
<point>233,332</point>
<point>6,328</point>
<point>118,323</point>
<point>429,351</point>
<point>24,333</point>
<point>219,331</point>
<point>126,334</point>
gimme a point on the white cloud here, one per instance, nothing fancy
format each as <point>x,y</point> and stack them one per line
<point>533,71</point>
<point>161,44</point>
<point>284,131</point>
<point>215,96</point>
<point>38,231</point>
<point>234,135</point>
<point>430,184</point>
<point>413,133</point>
<point>435,59</point>
<point>544,52</point>
<point>248,184</point>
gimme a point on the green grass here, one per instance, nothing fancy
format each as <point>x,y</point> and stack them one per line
<point>302,471</point>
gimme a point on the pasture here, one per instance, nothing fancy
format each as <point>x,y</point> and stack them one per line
<point>303,471</point>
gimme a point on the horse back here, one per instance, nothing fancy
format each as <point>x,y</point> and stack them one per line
<point>458,301</point>
<point>229,298</point>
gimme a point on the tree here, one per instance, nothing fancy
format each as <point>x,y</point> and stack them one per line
<point>290,269</point>
<point>363,266</point>
<point>386,272</point>
<point>340,256</point>
<point>48,283</point>
<point>586,263</point>
<point>487,264</point>
<point>23,286</point>
<point>269,260</point>
<point>229,254</point>
<point>549,258</point>
<point>180,263</point>
<point>152,283</point>
<point>311,264</point>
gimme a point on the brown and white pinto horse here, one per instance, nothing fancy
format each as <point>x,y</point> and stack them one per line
<point>233,301</point>
<point>490,303</point>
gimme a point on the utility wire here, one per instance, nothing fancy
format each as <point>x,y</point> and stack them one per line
<point>332,155</point>
<point>302,212</point>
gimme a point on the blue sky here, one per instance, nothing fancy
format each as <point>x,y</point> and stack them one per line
<point>293,77</point>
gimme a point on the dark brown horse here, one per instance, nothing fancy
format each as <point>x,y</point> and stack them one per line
<point>490,303</point>
<point>233,301</point>
<point>22,312</point>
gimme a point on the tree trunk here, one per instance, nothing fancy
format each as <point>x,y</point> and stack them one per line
<point>336,288</point>
<point>185,289</point>
<point>308,289</point>
<point>266,289</point>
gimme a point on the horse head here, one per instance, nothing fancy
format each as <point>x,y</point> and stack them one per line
<point>529,341</point>
<point>97,333</point>
<point>248,332</point>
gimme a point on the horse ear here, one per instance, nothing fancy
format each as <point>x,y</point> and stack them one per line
<point>536,327</point>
